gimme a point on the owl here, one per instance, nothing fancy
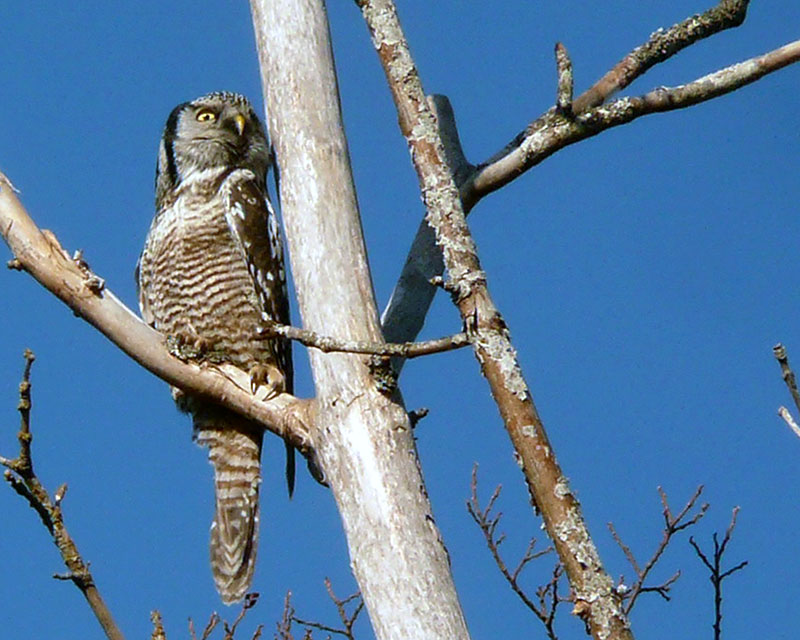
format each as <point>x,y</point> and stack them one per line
<point>210,273</point>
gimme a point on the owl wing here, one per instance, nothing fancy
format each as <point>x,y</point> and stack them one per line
<point>254,227</point>
<point>141,286</point>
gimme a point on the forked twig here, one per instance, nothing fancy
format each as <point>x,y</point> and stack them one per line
<point>672,525</point>
<point>284,625</point>
<point>250,601</point>
<point>348,619</point>
<point>717,575</point>
<point>487,521</point>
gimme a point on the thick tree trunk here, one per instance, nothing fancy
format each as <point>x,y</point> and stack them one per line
<point>362,436</point>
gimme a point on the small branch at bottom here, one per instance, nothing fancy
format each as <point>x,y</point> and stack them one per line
<point>20,475</point>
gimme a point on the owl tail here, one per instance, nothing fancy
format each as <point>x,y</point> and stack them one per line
<point>235,454</point>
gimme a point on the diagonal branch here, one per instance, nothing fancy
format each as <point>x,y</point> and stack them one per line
<point>556,128</point>
<point>552,131</point>
<point>791,383</point>
<point>662,45</point>
<point>596,601</point>
<point>22,478</point>
<point>39,253</point>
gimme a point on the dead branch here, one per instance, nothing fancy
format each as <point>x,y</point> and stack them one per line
<point>791,382</point>
<point>487,521</point>
<point>329,344</point>
<point>250,601</point>
<point>22,478</point>
<point>40,254</point>
<point>717,575</point>
<point>672,525</point>
<point>348,619</point>
<point>662,45</point>
<point>213,622</point>
<point>593,587</point>
<point>158,626</point>
<point>565,80</point>
<point>556,128</point>
<point>284,625</point>
<point>552,131</point>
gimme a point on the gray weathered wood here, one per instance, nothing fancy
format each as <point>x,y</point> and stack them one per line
<point>363,438</point>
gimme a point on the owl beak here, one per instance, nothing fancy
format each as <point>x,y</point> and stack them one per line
<point>240,122</point>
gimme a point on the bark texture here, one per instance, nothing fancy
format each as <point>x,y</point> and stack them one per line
<point>363,440</point>
<point>596,601</point>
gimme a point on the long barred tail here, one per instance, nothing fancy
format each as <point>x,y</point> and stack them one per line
<point>236,456</point>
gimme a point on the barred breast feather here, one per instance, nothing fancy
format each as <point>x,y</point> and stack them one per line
<point>196,282</point>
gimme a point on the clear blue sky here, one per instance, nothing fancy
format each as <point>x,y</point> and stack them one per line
<point>645,275</point>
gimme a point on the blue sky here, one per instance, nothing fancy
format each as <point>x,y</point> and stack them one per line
<point>645,275</point>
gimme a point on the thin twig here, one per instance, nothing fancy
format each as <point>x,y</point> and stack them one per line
<point>250,601</point>
<point>791,382</point>
<point>717,575</point>
<point>565,80</point>
<point>284,625</point>
<point>672,525</point>
<point>158,626</point>
<point>329,344</point>
<point>20,475</point>
<point>487,522</point>
<point>348,619</point>
<point>784,413</point>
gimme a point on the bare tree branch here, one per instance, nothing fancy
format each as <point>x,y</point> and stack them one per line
<point>284,625</point>
<point>662,45</point>
<point>487,521</point>
<point>714,565</point>
<point>596,601</point>
<point>158,626</point>
<point>791,382</point>
<point>328,344</point>
<point>348,619</point>
<point>22,478</point>
<point>784,413</point>
<point>565,80</point>
<point>250,601</point>
<point>557,128</point>
<point>40,254</point>
<point>672,525</point>
<point>553,131</point>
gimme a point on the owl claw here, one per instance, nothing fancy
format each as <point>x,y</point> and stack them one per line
<point>187,345</point>
<point>269,376</point>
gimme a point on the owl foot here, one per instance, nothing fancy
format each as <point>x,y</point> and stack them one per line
<point>269,376</point>
<point>187,345</point>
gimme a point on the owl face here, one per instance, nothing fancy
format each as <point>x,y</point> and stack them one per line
<point>218,130</point>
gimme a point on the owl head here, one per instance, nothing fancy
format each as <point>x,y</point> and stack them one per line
<point>217,130</point>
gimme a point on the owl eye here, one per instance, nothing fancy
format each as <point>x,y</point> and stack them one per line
<point>206,115</point>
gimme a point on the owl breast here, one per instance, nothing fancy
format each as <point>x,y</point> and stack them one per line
<point>196,281</point>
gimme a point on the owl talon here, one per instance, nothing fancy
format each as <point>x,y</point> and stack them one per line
<point>187,345</point>
<point>269,376</point>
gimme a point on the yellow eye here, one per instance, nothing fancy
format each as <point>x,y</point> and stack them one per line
<point>206,115</point>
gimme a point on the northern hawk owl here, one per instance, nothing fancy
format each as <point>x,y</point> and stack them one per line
<point>211,271</point>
